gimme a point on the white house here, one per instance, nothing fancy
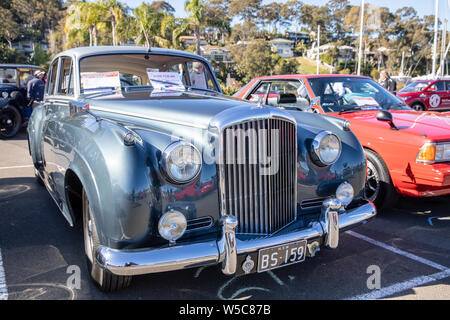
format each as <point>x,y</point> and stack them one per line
<point>283,47</point>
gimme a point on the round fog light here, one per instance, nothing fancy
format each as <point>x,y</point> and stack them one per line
<point>172,225</point>
<point>345,193</point>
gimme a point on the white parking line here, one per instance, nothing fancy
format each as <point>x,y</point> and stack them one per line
<point>16,167</point>
<point>3,287</point>
<point>402,286</point>
<point>397,251</point>
<point>405,285</point>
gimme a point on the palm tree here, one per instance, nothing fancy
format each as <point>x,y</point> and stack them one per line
<point>115,12</point>
<point>148,24</point>
<point>197,19</point>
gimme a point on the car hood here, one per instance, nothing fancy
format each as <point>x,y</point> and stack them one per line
<point>193,109</point>
<point>434,125</point>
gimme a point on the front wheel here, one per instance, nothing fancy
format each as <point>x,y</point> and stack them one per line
<point>379,188</point>
<point>106,281</point>
<point>10,121</point>
<point>418,107</point>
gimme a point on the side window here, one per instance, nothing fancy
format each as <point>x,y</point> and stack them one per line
<point>199,75</point>
<point>52,78</point>
<point>65,86</point>
<point>448,85</point>
<point>259,92</point>
<point>438,86</point>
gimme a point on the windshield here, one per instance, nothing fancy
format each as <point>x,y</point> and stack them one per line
<point>8,76</point>
<point>153,72</point>
<point>416,86</point>
<point>338,94</point>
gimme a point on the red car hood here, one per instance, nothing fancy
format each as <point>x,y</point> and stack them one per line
<point>435,125</point>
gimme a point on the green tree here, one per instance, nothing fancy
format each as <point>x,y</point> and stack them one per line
<point>254,60</point>
<point>196,19</point>
<point>244,9</point>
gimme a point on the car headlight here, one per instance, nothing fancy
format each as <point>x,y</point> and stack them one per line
<point>406,98</point>
<point>326,148</point>
<point>434,152</point>
<point>181,162</point>
<point>345,193</point>
<point>172,225</point>
<point>5,95</point>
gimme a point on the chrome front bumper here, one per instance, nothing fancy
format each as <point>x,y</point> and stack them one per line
<point>225,250</point>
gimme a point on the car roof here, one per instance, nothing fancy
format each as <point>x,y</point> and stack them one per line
<point>11,65</point>
<point>99,50</point>
<point>296,76</point>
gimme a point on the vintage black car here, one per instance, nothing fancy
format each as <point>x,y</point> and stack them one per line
<point>164,172</point>
<point>14,109</point>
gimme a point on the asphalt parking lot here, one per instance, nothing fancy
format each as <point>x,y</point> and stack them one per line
<point>409,245</point>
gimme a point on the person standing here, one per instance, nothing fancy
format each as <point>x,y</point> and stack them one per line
<point>387,82</point>
<point>35,88</point>
<point>198,76</point>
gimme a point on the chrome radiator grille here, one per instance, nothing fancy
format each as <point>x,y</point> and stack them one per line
<point>260,193</point>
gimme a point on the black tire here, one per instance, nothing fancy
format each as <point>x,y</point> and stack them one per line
<point>10,121</point>
<point>38,177</point>
<point>379,188</point>
<point>418,106</point>
<point>105,280</point>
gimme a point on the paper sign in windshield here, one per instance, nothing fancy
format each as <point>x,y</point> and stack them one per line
<point>163,81</point>
<point>102,82</point>
<point>365,101</point>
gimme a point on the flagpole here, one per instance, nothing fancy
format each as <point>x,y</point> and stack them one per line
<point>360,38</point>
<point>436,12</point>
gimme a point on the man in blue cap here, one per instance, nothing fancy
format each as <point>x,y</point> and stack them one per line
<point>35,88</point>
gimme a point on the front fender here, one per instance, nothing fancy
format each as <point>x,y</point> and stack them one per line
<point>116,177</point>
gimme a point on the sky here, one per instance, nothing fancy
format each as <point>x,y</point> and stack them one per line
<point>423,7</point>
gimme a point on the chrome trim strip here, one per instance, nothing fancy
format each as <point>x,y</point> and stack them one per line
<point>182,256</point>
<point>138,115</point>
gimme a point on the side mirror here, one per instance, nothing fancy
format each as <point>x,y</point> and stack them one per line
<point>384,115</point>
<point>314,102</point>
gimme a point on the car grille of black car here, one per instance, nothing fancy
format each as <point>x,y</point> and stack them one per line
<point>262,203</point>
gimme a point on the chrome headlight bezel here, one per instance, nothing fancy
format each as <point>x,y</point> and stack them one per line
<point>172,225</point>
<point>167,162</point>
<point>345,193</point>
<point>317,146</point>
<point>5,94</point>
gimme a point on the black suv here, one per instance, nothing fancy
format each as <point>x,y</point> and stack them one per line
<point>14,105</point>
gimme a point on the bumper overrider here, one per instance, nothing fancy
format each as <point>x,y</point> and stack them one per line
<point>225,251</point>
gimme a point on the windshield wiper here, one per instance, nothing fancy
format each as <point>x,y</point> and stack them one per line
<point>359,108</point>
<point>351,109</point>
<point>202,89</point>
<point>100,91</point>
<point>397,105</point>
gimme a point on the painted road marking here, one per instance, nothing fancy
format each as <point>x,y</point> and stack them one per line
<point>16,167</point>
<point>402,286</point>
<point>437,218</point>
<point>397,251</point>
<point>3,287</point>
<point>405,285</point>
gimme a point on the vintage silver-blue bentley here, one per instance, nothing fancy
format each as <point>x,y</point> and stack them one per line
<point>165,172</point>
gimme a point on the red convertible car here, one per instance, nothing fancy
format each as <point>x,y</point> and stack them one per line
<point>427,94</point>
<point>408,152</point>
